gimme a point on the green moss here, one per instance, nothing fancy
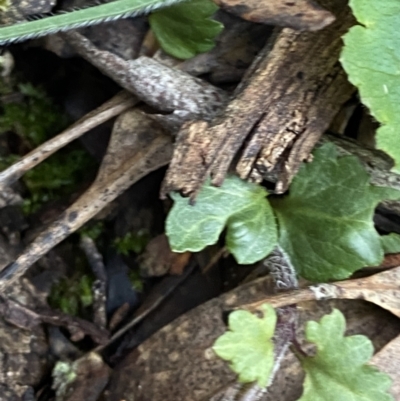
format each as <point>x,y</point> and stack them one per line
<point>92,230</point>
<point>35,118</point>
<point>56,177</point>
<point>72,295</point>
<point>132,242</point>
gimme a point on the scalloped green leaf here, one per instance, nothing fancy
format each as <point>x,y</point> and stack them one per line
<point>371,58</point>
<point>339,369</point>
<point>186,29</point>
<point>248,345</point>
<point>239,206</point>
<point>326,222</point>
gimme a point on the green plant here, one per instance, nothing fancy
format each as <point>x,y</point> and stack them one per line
<point>371,58</point>
<point>92,229</point>
<point>186,29</point>
<point>132,242</point>
<point>55,178</point>
<point>35,118</point>
<point>169,25</point>
<point>337,371</point>
<point>73,294</point>
<point>4,5</point>
<point>325,223</point>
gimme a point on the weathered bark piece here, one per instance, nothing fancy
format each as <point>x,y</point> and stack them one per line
<point>297,14</point>
<point>166,89</point>
<point>285,104</point>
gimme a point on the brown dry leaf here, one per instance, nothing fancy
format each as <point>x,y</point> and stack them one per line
<point>297,14</point>
<point>177,363</point>
<point>137,147</point>
<point>382,289</point>
<point>388,360</point>
<point>158,258</point>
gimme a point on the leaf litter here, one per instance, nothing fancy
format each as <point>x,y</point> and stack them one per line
<point>138,145</point>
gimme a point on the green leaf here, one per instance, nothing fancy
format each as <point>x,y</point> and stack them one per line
<point>339,370</point>
<point>325,223</point>
<point>186,29</point>
<point>371,58</point>
<point>248,345</point>
<point>239,205</point>
<point>391,243</point>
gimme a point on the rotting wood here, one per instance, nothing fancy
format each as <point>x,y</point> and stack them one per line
<point>283,107</point>
<point>297,14</point>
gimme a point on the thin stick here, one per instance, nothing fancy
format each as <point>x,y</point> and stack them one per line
<point>115,106</point>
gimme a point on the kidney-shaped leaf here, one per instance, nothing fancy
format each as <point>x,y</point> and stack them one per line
<point>325,223</point>
<point>240,206</point>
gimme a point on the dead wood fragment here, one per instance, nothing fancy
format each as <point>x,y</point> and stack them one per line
<point>106,111</point>
<point>164,88</point>
<point>137,146</point>
<point>303,15</point>
<point>285,105</point>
